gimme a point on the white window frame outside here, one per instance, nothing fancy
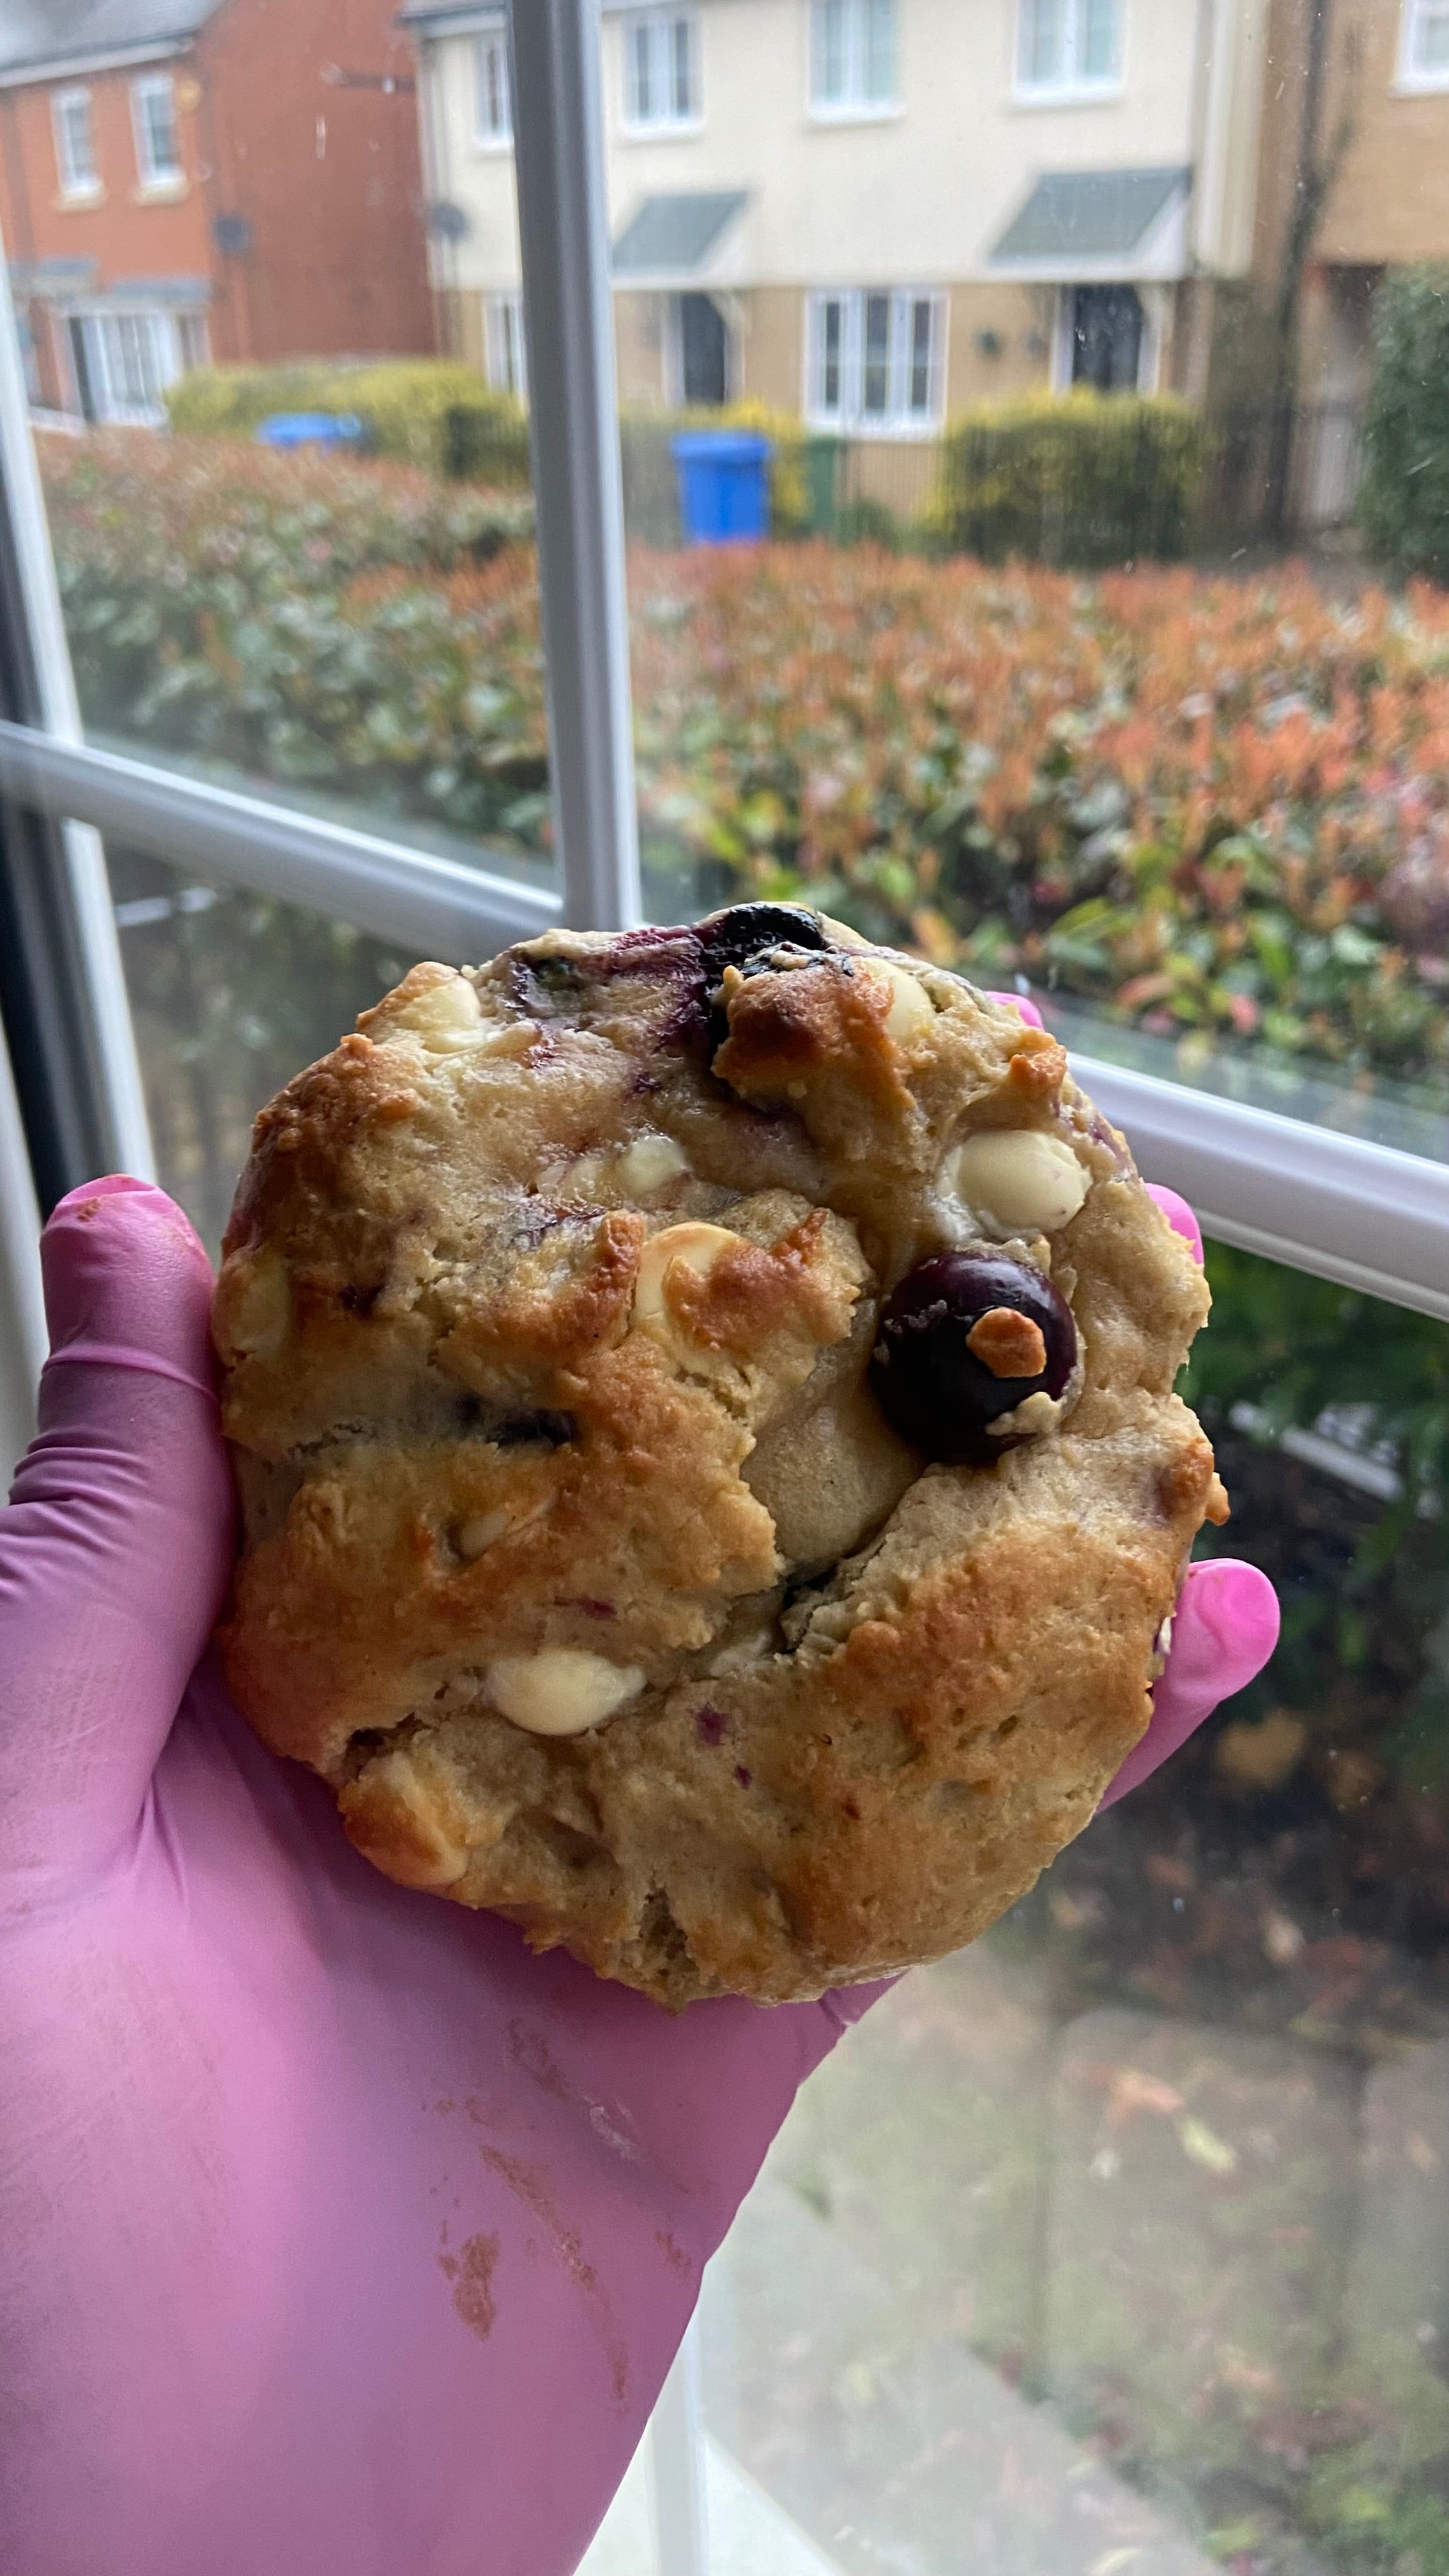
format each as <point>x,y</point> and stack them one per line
<point>900,417</point>
<point>153,333</point>
<point>492,90</point>
<point>505,350</point>
<point>77,187</point>
<point>1415,17</point>
<point>1070,84</point>
<point>660,30</point>
<point>854,101</point>
<point>156,177</point>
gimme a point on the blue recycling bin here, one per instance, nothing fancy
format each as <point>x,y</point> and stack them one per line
<point>724,486</point>
<point>310,429</point>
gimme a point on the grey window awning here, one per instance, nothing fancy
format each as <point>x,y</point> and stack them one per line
<point>1099,224</point>
<point>51,276</point>
<point>674,236</point>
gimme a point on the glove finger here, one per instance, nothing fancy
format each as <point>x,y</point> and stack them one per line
<point>1178,1214</point>
<point>1224,1631</point>
<point>1019,1002</point>
<point>116,1546</point>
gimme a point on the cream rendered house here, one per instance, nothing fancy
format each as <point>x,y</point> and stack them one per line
<point>875,212</point>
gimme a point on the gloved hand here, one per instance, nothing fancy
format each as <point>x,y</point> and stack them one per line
<point>339,2236</point>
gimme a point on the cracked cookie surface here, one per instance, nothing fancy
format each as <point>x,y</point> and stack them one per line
<point>582,1320</point>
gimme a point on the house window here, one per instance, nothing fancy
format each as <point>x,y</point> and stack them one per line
<point>1107,339</point>
<point>503,350</point>
<point>661,70</point>
<point>852,56</point>
<point>874,361</point>
<point>153,115</point>
<point>1424,53</point>
<point>1066,47</point>
<point>123,363</point>
<point>75,143</point>
<point>492,97</point>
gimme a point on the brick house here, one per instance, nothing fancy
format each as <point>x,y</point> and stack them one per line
<point>184,179</point>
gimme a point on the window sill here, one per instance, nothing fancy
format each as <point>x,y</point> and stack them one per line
<point>75,201</point>
<point>161,192</point>
<point>1420,85</point>
<point>862,112</point>
<point>493,147</point>
<point>884,433</point>
<point>664,129</point>
<point>1074,94</point>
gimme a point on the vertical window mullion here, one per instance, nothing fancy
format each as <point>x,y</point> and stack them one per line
<point>568,329</point>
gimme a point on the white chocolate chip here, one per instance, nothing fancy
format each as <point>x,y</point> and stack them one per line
<point>473,1536</point>
<point>649,1164</point>
<point>1018,1179</point>
<point>698,1247</point>
<point>434,1855</point>
<point>1035,1414</point>
<point>911,1009</point>
<point>562,1690</point>
<point>445,1016</point>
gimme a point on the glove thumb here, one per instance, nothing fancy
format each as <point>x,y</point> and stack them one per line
<point>116,1544</point>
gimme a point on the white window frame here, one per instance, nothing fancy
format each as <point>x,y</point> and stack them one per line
<point>855,102</point>
<point>900,418</point>
<point>492,90</point>
<point>154,333</point>
<point>77,188</point>
<point>505,349</point>
<point>156,178</point>
<point>660,30</point>
<point>1414,17</point>
<point>1070,85</point>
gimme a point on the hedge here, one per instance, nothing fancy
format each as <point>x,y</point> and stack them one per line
<point>1086,478</point>
<point>1403,501</point>
<point>434,413</point>
<point>1218,808</point>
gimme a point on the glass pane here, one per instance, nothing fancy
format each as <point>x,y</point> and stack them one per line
<point>1136,699</point>
<point>829,30</point>
<point>231,994</point>
<point>1431,47</point>
<point>1121,2240</point>
<point>681,33</point>
<point>880,22</point>
<point>289,497</point>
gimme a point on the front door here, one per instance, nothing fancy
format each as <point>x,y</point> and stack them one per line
<point>1107,338</point>
<point>703,351</point>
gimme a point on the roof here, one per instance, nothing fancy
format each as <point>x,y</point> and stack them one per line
<point>36,35</point>
<point>672,236</point>
<point>1092,221</point>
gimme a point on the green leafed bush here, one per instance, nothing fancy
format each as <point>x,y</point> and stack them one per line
<point>1083,479</point>
<point>434,413</point>
<point>1404,495</point>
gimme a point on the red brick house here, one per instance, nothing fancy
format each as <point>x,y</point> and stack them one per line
<point>184,179</point>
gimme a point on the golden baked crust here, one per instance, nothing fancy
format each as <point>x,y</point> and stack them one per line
<point>580,1556</point>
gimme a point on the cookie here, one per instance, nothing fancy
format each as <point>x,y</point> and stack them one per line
<point>712,1484</point>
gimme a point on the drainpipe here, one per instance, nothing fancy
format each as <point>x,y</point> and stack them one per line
<point>1308,186</point>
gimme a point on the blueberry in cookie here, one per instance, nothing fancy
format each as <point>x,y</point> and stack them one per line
<point>712,1485</point>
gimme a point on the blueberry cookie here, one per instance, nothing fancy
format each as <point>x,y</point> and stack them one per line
<point>712,1485</point>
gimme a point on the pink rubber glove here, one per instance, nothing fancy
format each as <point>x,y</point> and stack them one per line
<point>339,2236</point>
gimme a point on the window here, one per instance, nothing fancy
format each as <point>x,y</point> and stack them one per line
<point>1424,52</point>
<point>492,103</point>
<point>123,362</point>
<point>75,143</point>
<point>874,361</point>
<point>1107,338</point>
<point>503,350</point>
<point>661,69</point>
<point>1065,47</point>
<point>153,116</point>
<point>852,56</point>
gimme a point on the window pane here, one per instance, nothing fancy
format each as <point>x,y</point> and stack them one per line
<point>230,995</point>
<point>1043,39</point>
<point>641,59</point>
<point>1099,39</point>
<point>880,19</point>
<point>829,23</point>
<point>920,386</point>
<point>1430,48</point>
<point>875,396</point>
<point>1118,2240</point>
<point>683,96</point>
<point>349,622</point>
<point>832,317</point>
